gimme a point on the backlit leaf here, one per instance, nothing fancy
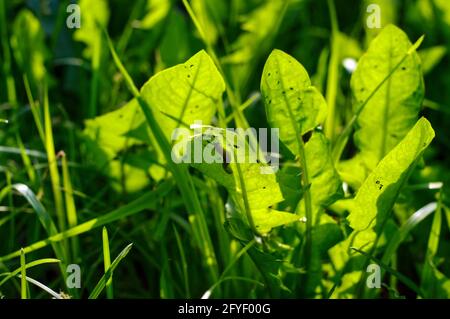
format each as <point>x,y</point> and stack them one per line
<point>292,104</point>
<point>377,195</point>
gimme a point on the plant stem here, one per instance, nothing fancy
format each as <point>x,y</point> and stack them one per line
<point>333,74</point>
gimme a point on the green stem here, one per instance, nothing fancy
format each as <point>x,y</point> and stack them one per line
<point>333,74</point>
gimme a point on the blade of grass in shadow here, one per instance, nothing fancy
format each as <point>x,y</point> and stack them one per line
<point>183,263</point>
<point>136,206</point>
<point>108,274</point>
<point>427,283</point>
<point>34,109</point>
<point>43,215</point>
<point>107,263</point>
<point>53,163</point>
<point>406,228</point>
<point>26,160</point>
<point>403,232</point>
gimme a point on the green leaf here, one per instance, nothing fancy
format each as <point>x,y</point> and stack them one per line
<point>259,26</point>
<point>292,104</point>
<point>157,12</point>
<point>185,93</point>
<point>28,44</point>
<point>394,108</point>
<point>177,42</point>
<point>94,17</point>
<point>118,143</point>
<point>428,283</point>
<point>211,14</point>
<point>111,130</point>
<point>262,189</point>
<point>378,193</point>
<point>431,57</point>
<point>108,274</point>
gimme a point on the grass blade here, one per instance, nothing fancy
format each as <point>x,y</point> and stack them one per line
<point>43,215</point>
<point>42,286</point>
<point>130,209</point>
<point>427,280</point>
<point>107,263</point>
<point>102,282</point>
<point>71,209</point>
<point>35,263</point>
<point>53,163</point>
<point>23,272</point>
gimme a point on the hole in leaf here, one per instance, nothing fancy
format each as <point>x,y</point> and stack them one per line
<point>306,136</point>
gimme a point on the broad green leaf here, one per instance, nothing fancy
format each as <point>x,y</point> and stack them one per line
<point>393,110</point>
<point>326,186</point>
<point>28,44</point>
<point>157,12</point>
<point>378,193</point>
<point>259,28</point>
<point>94,16</point>
<point>117,144</point>
<point>292,104</point>
<point>177,41</point>
<point>210,14</point>
<point>111,130</point>
<point>185,93</point>
<point>431,57</point>
<point>262,189</point>
<point>444,8</point>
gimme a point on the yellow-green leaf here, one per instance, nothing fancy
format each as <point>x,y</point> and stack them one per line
<point>378,193</point>
<point>185,93</point>
<point>393,110</point>
<point>292,104</point>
